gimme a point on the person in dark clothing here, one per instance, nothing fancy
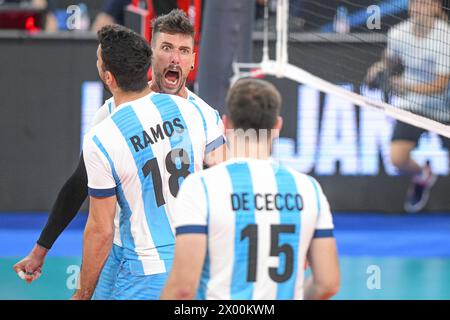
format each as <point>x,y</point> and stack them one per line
<point>51,24</point>
<point>113,11</point>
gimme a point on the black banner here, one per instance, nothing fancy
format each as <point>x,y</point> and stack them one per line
<point>50,90</point>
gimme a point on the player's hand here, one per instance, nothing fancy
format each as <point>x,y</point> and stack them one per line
<point>30,267</point>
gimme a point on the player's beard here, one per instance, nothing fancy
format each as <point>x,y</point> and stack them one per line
<point>159,79</point>
<point>180,86</point>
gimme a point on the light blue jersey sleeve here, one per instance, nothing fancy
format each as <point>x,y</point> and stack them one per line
<point>212,123</point>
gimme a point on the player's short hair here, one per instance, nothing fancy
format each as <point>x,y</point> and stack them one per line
<point>253,104</point>
<point>126,55</point>
<point>175,22</point>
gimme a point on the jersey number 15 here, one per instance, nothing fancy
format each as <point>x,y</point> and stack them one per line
<point>251,232</point>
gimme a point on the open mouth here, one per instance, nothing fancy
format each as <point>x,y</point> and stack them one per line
<point>172,78</point>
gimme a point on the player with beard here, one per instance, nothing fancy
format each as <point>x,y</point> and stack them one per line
<point>172,60</point>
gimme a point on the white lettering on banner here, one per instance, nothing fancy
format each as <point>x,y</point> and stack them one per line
<point>375,137</point>
<point>338,129</point>
<point>307,133</point>
<point>308,126</point>
<point>91,100</point>
<point>374,279</point>
<point>374,20</point>
<point>339,141</point>
<point>74,17</point>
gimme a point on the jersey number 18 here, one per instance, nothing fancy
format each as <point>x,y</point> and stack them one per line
<point>151,166</point>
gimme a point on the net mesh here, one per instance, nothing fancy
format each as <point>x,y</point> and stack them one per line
<point>392,55</point>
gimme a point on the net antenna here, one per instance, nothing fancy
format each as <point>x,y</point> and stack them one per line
<point>281,68</point>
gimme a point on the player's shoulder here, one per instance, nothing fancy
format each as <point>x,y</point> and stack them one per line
<point>123,111</point>
<point>211,174</point>
<point>108,106</point>
<point>180,100</point>
<point>284,168</point>
<point>90,138</point>
<point>159,99</point>
<point>195,98</point>
<point>194,181</point>
<point>254,166</point>
<point>98,129</point>
<point>301,178</point>
<point>204,107</point>
<point>104,111</point>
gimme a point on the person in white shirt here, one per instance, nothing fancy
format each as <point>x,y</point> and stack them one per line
<point>421,45</point>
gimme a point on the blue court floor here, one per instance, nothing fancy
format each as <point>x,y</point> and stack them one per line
<point>381,256</point>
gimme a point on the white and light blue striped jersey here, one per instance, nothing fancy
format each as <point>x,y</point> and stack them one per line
<point>210,116</point>
<point>210,119</point>
<point>141,153</point>
<point>260,218</point>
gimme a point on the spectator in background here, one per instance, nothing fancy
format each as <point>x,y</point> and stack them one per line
<point>259,12</point>
<point>51,24</point>
<point>113,11</point>
<point>418,48</point>
<point>295,11</point>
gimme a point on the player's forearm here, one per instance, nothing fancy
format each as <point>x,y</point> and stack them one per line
<point>97,242</point>
<point>184,277</point>
<point>318,291</point>
<point>66,206</point>
<point>59,218</point>
<point>177,290</point>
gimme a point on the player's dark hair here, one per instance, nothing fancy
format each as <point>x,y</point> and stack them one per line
<point>253,104</point>
<point>126,55</point>
<point>175,22</point>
